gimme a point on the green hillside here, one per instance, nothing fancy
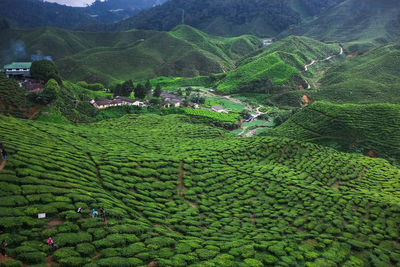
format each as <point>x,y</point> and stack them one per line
<point>354,21</point>
<point>13,100</point>
<point>185,194</point>
<point>278,66</point>
<point>373,77</point>
<point>225,17</point>
<point>367,129</point>
<point>139,55</point>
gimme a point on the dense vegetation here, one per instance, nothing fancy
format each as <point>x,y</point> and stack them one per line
<point>38,13</point>
<point>369,129</point>
<point>13,99</point>
<point>111,57</point>
<point>355,21</point>
<point>185,194</point>
<point>226,17</point>
<point>370,78</point>
<point>276,68</point>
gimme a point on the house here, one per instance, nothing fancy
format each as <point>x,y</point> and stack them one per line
<point>171,100</point>
<point>32,85</point>
<point>117,101</point>
<point>218,109</point>
<point>15,69</point>
<point>267,42</point>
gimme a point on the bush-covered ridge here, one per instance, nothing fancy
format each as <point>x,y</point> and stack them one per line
<point>372,129</point>
<point>278,64</point>
<point>187,194</point>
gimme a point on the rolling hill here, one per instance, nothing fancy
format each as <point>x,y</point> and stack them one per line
<point>113,56</point>
<point>185,194</point>
<point>369,129</point>
<point>276,68</point>
<point>373,77</point>
<point>355,21</point>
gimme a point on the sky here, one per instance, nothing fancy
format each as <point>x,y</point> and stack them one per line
<point>72,2</point>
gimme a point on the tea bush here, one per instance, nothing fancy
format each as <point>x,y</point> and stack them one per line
<point>186,194</point>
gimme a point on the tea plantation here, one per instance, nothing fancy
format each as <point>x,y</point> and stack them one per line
<point>186,194</point>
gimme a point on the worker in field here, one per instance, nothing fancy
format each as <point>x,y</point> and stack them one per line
<point>3,248</point>
<point>3,152</point>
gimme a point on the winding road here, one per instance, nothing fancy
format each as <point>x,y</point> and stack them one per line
<point>319,60</point>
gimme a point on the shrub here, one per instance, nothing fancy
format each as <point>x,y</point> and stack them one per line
<point>65,252</point>
<point>86,249</point>
<point>32,257</point>
<point>206,253</point>
<point>133,249</point>
<point>11,263</point>
<point>253,263</point>
<point>63,239</point>
<point>72,262</point>
<point>119,262</point>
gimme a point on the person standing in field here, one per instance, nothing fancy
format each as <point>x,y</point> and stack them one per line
<point>3,248</point>
<point>3,152</point>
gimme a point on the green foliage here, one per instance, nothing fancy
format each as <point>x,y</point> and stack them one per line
<point>364,79</point>
<point>11,263</point>
<point>353,128</point>
<point>187,194</point>
<point>45,70</point>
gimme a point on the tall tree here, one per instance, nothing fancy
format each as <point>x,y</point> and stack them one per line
<point>140,91</point>
<point>45,70</point>
<point>148,87</point>
<point>157,92</point>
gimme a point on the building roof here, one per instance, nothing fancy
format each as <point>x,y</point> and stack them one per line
<point>126,99</point>
<point>18,65</point>
<point>218,108</point>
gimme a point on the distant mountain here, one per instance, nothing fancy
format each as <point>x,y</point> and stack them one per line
<point>226,17</point>
<point>355,21</point>
<point>37,13</point>
<point>111,11</point>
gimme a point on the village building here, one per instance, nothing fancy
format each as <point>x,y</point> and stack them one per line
<point>219,109</point>
<point>117,101</point>
<point>171,100</point>
<point>18,69</point>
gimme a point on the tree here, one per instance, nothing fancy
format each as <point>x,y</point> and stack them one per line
<point>188,91</point>
<point>140,91</point>
<point>157,92</point>
<point>48,94</point>
<point>148,87</point>
<point>124,89</point>
<point>45,70</point>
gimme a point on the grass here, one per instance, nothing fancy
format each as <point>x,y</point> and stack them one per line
<point>187,194</point>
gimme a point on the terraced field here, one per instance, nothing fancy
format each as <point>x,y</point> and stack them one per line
<point>186,194</point>
<point>370,129</point>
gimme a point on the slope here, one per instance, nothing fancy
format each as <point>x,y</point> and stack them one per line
<point>355,21</point>
<point>182,52</point>
<point>184,194</point>
<point>370,129</point>
<point>369,78</point>
<point>278,66</point>
<point>226,17</point>
<point>114,56</point>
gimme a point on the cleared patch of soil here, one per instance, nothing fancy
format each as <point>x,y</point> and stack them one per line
<point>54,223</point>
